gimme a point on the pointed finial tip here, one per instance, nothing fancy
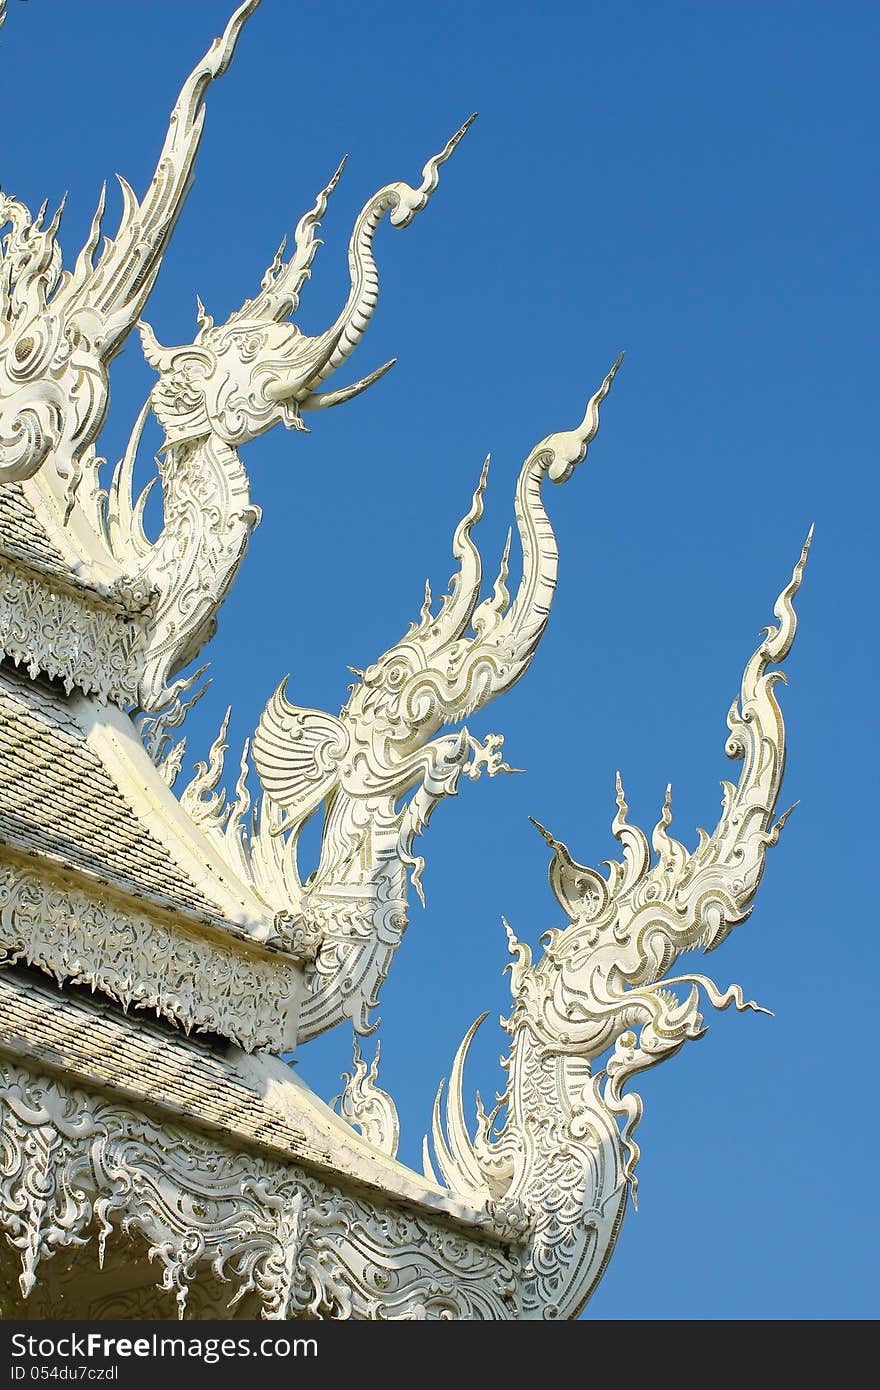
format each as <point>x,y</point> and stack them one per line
<point>337,174</point>
<point>462,131</point>
<point>542,831</point>
<point>615,367</point>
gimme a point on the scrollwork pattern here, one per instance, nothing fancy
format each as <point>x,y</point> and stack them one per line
<point>81,644</point>
<point>80,1168</point>
<point>163,966</point>
<point>566,1150</point>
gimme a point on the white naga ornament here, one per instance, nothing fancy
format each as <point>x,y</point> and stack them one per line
<point>161,947</point>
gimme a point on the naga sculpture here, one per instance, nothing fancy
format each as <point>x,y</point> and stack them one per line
<point>602,988</point>
<point>59,330</point>
<point>540,1187</point>
<point>383,747</point>
<point>234,382</point>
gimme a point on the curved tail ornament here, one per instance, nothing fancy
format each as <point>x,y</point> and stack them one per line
<point>400,203</point>
<point>602,988</point>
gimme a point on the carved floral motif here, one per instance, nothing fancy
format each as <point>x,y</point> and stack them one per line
<point>145,962</point>
<point>566,1150</point>
<point>81,643</point>
<point>78,1169</point>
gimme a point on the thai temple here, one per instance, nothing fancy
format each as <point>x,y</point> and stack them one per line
<point>162,953</point>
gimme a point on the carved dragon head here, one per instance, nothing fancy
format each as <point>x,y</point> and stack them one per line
<point>602,984</point>
<point>438,674</point>
<point>237,380</point>
<point>59,330</point>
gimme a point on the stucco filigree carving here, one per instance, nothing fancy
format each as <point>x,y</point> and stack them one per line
<point>158,963</point>
<point>78,1168</point>
<point>59,330</point>
<point>366,1106</point>
<point>382,748</point>
<point>566,1150</point>
<point>234,382</point>
<point>82,643</point>
<point>538,1192</point>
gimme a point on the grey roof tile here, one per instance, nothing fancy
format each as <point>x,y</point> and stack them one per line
<point>139,1060</point>
<point>57,799</point>
<point>22,535</point>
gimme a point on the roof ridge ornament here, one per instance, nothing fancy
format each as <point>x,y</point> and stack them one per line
<point>234,382</point>
<point>197,911</point>
<point>602,988</point>
<point>59,329</point>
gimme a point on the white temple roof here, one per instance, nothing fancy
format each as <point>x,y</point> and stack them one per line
<point>24,537</point>
<point>255,1101</point>
<point>59,799</point>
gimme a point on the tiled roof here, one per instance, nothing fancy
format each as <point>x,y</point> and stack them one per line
<point>57,798</point>
<point>21,534</point>
<point>93,1040</point>
<point>137,1060</point>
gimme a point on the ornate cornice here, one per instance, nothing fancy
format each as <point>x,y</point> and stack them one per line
<point>82,638</point>
<point>198,980</point>
<point>80,1170</point>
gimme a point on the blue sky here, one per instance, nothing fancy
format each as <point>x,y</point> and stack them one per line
<point>695,183</point>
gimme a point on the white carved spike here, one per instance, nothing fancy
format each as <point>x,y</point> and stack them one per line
<point>412,200</point>
<point>461,1144</point>
<point>779,642</point>
<point>124,530</point>
<point>427,1165</point>
<point>235,827</point>
<point>488,614</point>
<point>281,284</point>
<point>200,798</point>
<point>203,318</point>
<point>84,263</point>
<point>425,615</point>
<point>98,303</point>
<point>636,854</point>
<point>169,766</point>
<point>672,855</point>
<point>457,606</point>
<point>579,890</point>
<point>445,1161</point>
<point>365,1106</point>
<point>569,448</point>
<point>326,400</point>
<point>402,203</point>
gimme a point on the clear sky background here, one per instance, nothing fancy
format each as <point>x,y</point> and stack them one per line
<point>695,183</point>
